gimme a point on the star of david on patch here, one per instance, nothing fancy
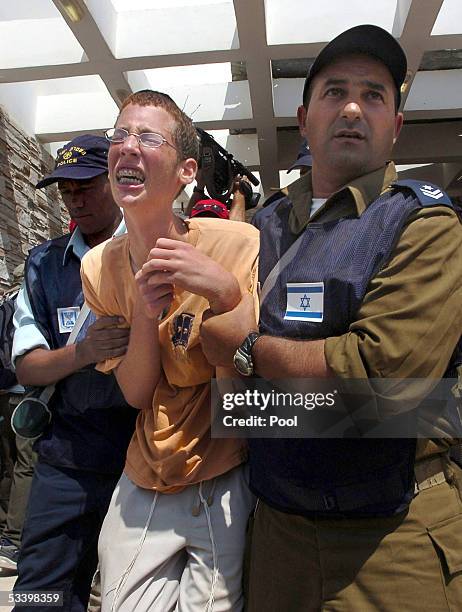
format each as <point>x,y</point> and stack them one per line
<point>305,302</point>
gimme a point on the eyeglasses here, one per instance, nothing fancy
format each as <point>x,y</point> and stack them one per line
<point>146,139</point>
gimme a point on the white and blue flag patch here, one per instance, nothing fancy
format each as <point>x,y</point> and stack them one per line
<point>67,318</point>
<point>305,302</point>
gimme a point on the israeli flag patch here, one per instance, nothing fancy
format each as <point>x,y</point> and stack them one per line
<point>305,302</point>
<point>67,318</point>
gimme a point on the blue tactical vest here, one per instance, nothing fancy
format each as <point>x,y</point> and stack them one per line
<point>91,424</point>
<point>262,215</point>
<point>334,477</point>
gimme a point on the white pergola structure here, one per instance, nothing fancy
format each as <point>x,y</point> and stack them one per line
<point>237,67</point>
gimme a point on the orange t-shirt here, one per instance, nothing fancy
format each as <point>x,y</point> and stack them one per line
<point>178,450</point>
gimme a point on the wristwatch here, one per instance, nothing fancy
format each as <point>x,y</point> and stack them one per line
<point>243,356</point>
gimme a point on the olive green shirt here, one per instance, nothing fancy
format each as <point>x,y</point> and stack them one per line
<point>411,317</point>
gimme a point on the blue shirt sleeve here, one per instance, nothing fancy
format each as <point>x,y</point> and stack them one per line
<point>27,335</point>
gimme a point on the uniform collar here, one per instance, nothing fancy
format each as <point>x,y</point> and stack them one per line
<point>360,193</point>
<point>78,245</point>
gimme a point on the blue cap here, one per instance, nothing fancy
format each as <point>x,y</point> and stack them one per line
<point>81,159</point>
<point>304,159</point>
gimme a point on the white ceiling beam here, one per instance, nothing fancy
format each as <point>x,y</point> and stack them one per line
<point>416,34</point>
<point>97,51</point>
<point>230,124</point>
<point>36,73</point>
<point>447,41</point>
<point>414,19</point>
<point>434,114</point>
<point>421,143</point>
<point>250,17</point>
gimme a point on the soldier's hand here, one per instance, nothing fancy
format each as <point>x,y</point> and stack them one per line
<point>105,339</point>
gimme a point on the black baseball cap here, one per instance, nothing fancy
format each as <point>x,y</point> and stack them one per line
<point>369,40</point>
<point>81,159</point>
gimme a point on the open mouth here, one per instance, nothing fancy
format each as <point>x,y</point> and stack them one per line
<point>130,176</point>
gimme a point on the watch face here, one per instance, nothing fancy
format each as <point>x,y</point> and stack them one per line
<point>242,363</point>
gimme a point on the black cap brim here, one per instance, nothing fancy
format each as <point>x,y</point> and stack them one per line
<point>76,173</point>
<point>369,40</point>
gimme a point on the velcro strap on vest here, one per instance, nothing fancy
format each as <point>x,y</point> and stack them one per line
<point>430,472</point>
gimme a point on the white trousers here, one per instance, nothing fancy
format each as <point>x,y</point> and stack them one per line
<point>181,552</point>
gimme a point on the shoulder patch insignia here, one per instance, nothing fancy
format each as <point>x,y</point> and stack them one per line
<point>67,318</point>
<point>427,193</point>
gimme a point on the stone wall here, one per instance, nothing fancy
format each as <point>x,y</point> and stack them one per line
<point>27,216</point>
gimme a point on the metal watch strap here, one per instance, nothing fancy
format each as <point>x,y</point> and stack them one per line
<point>243,356</point>
<point>248,343</point>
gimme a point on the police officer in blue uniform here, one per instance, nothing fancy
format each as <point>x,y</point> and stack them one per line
<point>364,285</point>
<point>82,453</point>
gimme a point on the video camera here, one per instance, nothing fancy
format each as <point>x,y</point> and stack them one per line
<point>219,169</point>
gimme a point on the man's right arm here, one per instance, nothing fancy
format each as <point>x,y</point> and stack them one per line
<point>406,328</point>
<point>37,365</point>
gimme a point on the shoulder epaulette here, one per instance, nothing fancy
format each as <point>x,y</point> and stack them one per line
<point>428,194</point>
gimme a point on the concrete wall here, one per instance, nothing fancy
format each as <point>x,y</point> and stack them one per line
<point>27,217</point>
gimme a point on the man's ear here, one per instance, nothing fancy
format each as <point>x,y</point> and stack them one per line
<point>301,117</point>
<point>188,170</point>
<point>399,120</point>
